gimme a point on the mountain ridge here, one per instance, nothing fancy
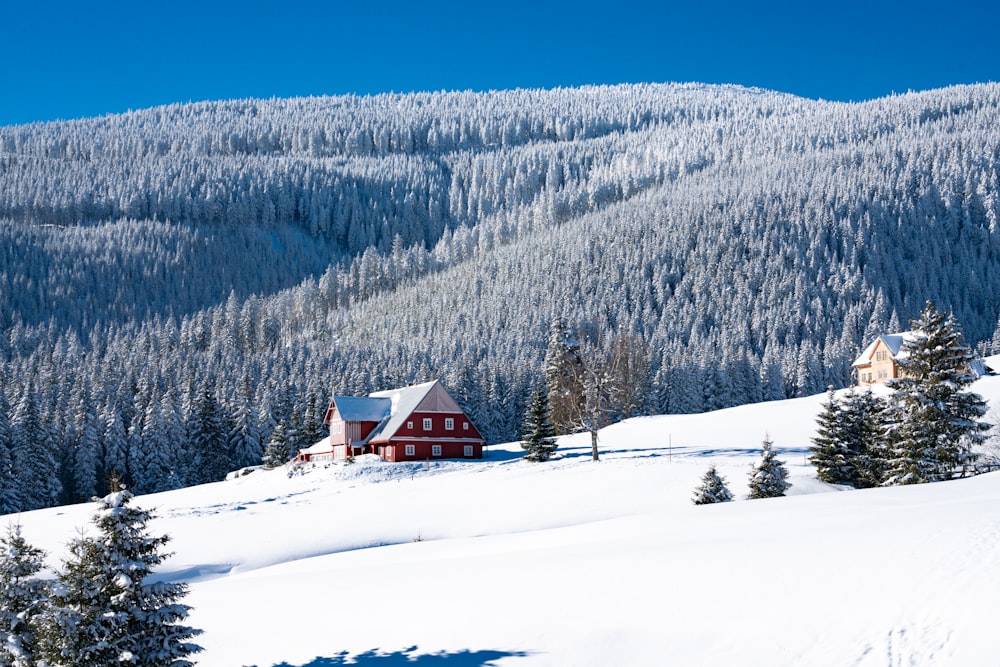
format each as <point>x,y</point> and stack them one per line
<point>753,241</point>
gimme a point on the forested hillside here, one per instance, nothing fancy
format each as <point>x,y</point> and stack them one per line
<point>180,285</point>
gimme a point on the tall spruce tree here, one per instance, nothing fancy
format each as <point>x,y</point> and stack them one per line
<point>208,435</point>
<point>712,489</point>
<point>539,437</point>
<point>9,496</point>
<point>933,423</point>
<point>22,599</point>
<point>103,613</point>
<point>33,459</point>
<point>768,478</point>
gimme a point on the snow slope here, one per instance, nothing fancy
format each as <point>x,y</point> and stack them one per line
<point>572,562</point>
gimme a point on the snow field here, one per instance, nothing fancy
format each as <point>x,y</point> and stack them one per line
<point>571,562</point>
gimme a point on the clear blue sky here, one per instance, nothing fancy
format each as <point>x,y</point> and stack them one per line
<point>61,59</point>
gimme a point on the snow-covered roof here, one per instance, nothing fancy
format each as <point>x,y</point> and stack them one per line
<point>361,408</point>
<point>404,402</point>
<point>892,341</point>
<point>392,407</point>
<point>320,447</point>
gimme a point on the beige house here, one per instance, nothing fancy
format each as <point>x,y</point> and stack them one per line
<point>879,363</point>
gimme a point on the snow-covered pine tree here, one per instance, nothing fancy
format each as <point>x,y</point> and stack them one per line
<point>829,452</point>
<point>539,436</point>
<point>34,463</point>
<point>563,376</point>
<point>933,422</point>
<point>712,489</point>
<point>276,453</point>
<point>768,478</point>
<point>22,598</point>
<point>312,430</point>
<point>102,612</point>
<point>208,435</point>
<point>9,496</point>
<point>245,439</point>
<point>864,414</point>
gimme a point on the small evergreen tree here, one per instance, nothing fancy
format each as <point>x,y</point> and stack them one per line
<point>22,598</point>
<point>539,436</point>
<point>847,448</point>
<point>829,451</point>
<point>276,453</point>
<point>103,613</point>
<point>864,413</point>
<point>933,423</point>
<point>713,489</point>
<point>768,479</point>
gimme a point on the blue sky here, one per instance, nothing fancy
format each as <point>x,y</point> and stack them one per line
<point>72,59</point>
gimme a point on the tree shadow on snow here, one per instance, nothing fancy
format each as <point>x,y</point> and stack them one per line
<point>409,658</point>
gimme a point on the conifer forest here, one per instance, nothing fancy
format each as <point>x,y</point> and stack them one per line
<point>184,287</point>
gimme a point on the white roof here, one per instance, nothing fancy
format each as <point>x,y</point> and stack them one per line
<point>320,447</point>
<point>404,402</point>
<point>892,341</point>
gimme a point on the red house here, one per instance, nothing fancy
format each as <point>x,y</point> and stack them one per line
<point>408,424</point>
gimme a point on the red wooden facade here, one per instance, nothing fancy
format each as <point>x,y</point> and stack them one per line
<point>416,423</point>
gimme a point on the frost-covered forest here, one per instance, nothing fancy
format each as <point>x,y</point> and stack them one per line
<point>182,285</point>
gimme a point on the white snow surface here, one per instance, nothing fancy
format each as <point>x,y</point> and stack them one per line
<point>572,562</point>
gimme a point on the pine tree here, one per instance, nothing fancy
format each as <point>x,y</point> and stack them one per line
<point>103,613</point>
<point>830,454</point>
<point>9,496</point>
<point>311,429</point>
<point>713,489</point>
<point>276,453</point>
<point>539,436</point>
<point>563,376</point>
<point>34,462</point>
<point>848,447</point>
<point>208,436</point>
<point>933,423</point>
<point>22,599</point>
<point>245,440</point>
<point>864,414</point>
<point>768,479</point>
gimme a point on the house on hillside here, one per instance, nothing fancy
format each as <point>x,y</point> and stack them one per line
<point>408,424</point>
<point>879,362</point>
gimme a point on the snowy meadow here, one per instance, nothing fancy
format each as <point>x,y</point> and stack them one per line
<point>572,562</point>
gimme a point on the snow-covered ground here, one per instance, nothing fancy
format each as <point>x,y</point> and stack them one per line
<point>571,562</point>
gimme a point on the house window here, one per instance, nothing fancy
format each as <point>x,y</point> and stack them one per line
<point>409,425</point>
<point>338,427</point>
<point>465,426</point>
<point>411,450</point>
<point>427,424</point>
<point>435,450</point>
<point>468,450</point>
<point>449,424</point>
